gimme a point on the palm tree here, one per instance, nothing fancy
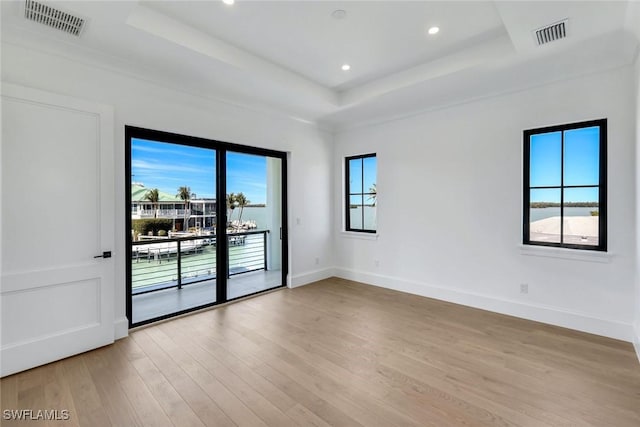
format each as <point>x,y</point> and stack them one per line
<point>231,204</point>
<point>184,193</point>
<point>373,191</point>
<point>154,197</point>
<point>242,202</point>
<point>373,196</point>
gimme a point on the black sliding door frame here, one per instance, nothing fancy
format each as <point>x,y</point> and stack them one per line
<point>222,242</point>
<point>222,245</point>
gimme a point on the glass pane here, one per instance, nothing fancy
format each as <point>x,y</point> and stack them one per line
<point>544,215</point>
<point>355,217</point>
<point>246,186</point>
<point>581,216</point>
<point>356,200</point>
<point>545,159</point>
<point>172,205</point>
<point>370,217</point>
<point>254,206</point>
<point>356,207</point>
<point>582,156</point>
<point>370,171</point>
<point>355,176</point>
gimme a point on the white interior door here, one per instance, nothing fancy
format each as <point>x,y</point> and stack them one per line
<point>57,214</point>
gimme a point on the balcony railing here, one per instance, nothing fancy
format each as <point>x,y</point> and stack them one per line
<point>162,213</point>
<point>164,263</point>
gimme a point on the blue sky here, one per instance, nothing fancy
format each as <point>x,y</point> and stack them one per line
<point>581,153</point>
<point>355,175</point>
<point>168,166</point>
<point>247,173</point>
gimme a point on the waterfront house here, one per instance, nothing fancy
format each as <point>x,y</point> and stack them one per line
<point>200,213</point>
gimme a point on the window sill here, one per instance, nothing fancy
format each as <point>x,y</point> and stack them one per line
<point>360,236</point>
<point>562,253</point>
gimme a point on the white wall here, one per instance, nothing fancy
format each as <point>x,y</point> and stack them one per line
<point>637,297</point>
<point>450,207</point>
<point>140,103</point>
<point>632,24</point>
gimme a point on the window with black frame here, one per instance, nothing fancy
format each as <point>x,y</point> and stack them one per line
<point>361,193</point>
<point>565,186</point>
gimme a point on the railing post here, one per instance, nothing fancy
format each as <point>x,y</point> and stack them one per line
<point>179,259</point>
<point>264,240</point>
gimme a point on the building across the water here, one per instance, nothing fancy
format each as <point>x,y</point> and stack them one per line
<point>197,212</point>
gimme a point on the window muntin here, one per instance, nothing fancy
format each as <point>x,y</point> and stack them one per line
<point>361,193</point>
<point>565,186</point>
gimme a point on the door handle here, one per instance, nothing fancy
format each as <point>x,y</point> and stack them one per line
<point>105,254</point>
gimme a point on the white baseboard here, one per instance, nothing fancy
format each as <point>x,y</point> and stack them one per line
<point>538,313</point>
<point>120,328</point>
<point>310,277</point>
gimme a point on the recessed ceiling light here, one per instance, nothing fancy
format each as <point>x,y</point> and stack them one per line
<point>346,67</point>
<point>339,14</point>
<point>229,2</point>
<point>433,30</point>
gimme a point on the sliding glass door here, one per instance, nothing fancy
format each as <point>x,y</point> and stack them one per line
<point>254,223</point>
<point>204,223</point>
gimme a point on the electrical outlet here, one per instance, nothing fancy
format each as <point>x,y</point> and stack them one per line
<point>524,288</point>
<point>376,263</point>
<point>298,221</point>
<point>317,261</point>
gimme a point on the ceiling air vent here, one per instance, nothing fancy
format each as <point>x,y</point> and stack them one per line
<point>54,18</point>
<point>551,32</point>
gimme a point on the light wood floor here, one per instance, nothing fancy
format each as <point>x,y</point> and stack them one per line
<point>346,354</point>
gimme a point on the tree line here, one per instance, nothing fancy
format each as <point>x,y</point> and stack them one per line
<point>537,205</point>
<point>234,200</point>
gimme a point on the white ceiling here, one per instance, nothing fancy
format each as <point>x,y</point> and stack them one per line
<point>377,38</point>
<point>286,55</point>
